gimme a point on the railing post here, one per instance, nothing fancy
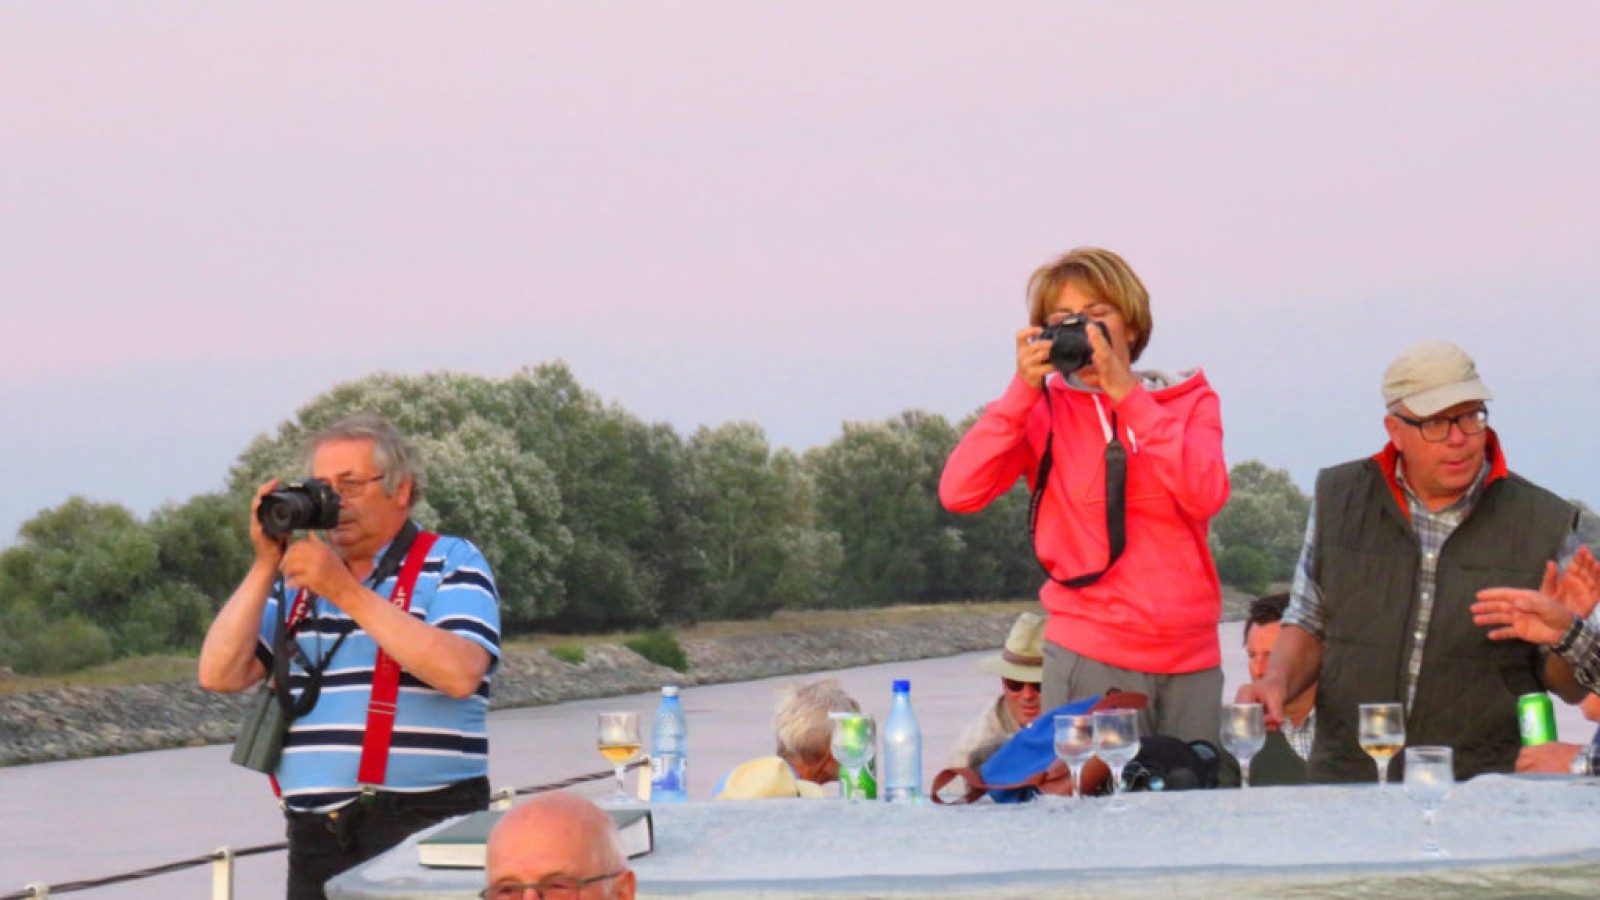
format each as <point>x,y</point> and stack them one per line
<point>222,874</point>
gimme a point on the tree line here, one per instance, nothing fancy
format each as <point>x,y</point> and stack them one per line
<point>592,519</point>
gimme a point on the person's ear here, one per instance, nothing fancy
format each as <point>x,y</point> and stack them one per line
<point>1392,426</point>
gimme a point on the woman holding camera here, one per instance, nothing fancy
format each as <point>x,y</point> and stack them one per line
<point>1126,470</point>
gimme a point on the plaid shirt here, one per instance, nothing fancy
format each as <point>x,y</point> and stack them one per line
<point>1580,646</point>
<point>1307,611</point>
<point>1302,736</point>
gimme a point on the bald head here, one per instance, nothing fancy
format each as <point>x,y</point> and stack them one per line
<point>559,834</point>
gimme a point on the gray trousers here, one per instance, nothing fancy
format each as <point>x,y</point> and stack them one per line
<point>1187,706</point>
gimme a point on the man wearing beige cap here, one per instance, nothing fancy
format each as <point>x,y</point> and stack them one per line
<point>1396,548</point>
<point>1020,665</point>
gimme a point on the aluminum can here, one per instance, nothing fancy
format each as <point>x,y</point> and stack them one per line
<point>866,783</point>
<point>1536,719</point>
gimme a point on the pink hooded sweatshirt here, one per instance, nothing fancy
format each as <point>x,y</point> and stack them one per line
<point>1157,609</point>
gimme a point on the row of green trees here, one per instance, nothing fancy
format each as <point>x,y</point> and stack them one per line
<point>592,519</point>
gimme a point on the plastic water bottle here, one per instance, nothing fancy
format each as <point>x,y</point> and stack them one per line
<point>669,750</point>
<point>902,749</point>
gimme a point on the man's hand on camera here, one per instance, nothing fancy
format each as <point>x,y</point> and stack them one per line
<point>269,551</point>
<point>312,565</point>
<point>1033,357</point>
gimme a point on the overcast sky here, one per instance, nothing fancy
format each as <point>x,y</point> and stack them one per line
<point>798,214</point>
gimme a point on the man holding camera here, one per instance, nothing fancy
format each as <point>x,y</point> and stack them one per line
<point>377,640</point>
<point>1396,549</point>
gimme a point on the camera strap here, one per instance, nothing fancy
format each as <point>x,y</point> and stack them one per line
<point>1116,510</point>
<point>285,648</point>
<point>383,705</point>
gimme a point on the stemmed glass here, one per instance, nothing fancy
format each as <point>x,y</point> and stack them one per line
<point>1244,733</point>
<point>1074,741</point>
<point>854,742</point>
<point>1116,742</point>
<point>619,743</point>
<point>1430,772</point>
<point>1382,733</point>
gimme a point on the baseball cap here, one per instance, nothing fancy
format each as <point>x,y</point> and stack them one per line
<point>1432,376</point>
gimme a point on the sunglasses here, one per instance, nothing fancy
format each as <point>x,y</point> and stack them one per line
<point>1016,687</point>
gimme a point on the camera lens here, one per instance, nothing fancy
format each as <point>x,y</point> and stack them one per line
<point>280,511</point>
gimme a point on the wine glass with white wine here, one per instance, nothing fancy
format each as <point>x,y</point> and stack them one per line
<point>1430,773</point>
<point>1074,740</point>
<point>1382,732</point>
<point>619,743</point>
<point>1244,733</point>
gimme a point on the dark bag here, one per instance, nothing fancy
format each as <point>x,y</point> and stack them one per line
<point>261,734</point>
<point>1166,763</point>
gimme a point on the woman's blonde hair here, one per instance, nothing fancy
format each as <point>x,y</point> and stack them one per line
<point>1101,274</point>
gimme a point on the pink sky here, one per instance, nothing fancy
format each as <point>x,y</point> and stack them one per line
<point>795,214</point>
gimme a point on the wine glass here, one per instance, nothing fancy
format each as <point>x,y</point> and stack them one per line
<point>853,743</point>
<point>619,743</point>
<point>1244,733</point>
<point>1075,745</point>
<point>1382,733</point>
<point>1116,742</point>
<point>1430,772</point>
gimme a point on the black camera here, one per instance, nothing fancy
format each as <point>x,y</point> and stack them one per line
<point>1069,342</point>
<point>310,505</point>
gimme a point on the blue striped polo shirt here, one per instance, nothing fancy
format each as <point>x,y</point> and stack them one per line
<point>438,740</point>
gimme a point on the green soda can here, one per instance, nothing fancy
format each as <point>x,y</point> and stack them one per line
<point>866,786</point>
<point>854,743</point>
<point>1536,719</point>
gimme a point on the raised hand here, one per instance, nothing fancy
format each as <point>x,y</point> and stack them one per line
<point>1579,586</point>
<point>1115,375</point>
<point>1516,614</point>
<point>1033,357</point>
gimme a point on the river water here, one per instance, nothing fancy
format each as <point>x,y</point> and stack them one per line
<point>88,819</point>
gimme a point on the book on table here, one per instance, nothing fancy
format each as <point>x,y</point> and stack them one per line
<point>464,843</point>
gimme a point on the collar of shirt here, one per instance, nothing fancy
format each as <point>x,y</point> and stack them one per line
<point>1460,508</point>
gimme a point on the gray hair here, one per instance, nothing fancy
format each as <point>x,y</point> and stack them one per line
<point>801,720</point>
<point>391,452</point>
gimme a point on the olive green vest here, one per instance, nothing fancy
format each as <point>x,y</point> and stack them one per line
<point>1367,564</point>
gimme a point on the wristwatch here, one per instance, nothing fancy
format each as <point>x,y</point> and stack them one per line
<point>1583,761</point>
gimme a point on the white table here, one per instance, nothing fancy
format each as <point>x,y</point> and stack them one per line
<point>1533,836</point>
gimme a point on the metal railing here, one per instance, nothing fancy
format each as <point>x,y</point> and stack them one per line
<point>222,859</point>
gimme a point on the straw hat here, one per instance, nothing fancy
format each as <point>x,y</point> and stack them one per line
<point>768,776</point>
<point>1022,658</point>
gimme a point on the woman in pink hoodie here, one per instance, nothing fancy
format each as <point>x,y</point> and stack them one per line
<point>1148,622</point>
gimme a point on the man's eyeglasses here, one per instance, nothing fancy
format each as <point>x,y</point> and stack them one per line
<point>349,487</point>
<point>555,887</point>
<point>1437,428</point>
<point>1016,687</point>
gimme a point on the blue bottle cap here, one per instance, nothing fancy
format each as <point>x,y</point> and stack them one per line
<point>902,685</point>
<point>669,690</point>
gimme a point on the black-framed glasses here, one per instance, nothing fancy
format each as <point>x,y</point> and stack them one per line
<point>1437,428</point>
<point>1017,687</point>
<point>553,887</point>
